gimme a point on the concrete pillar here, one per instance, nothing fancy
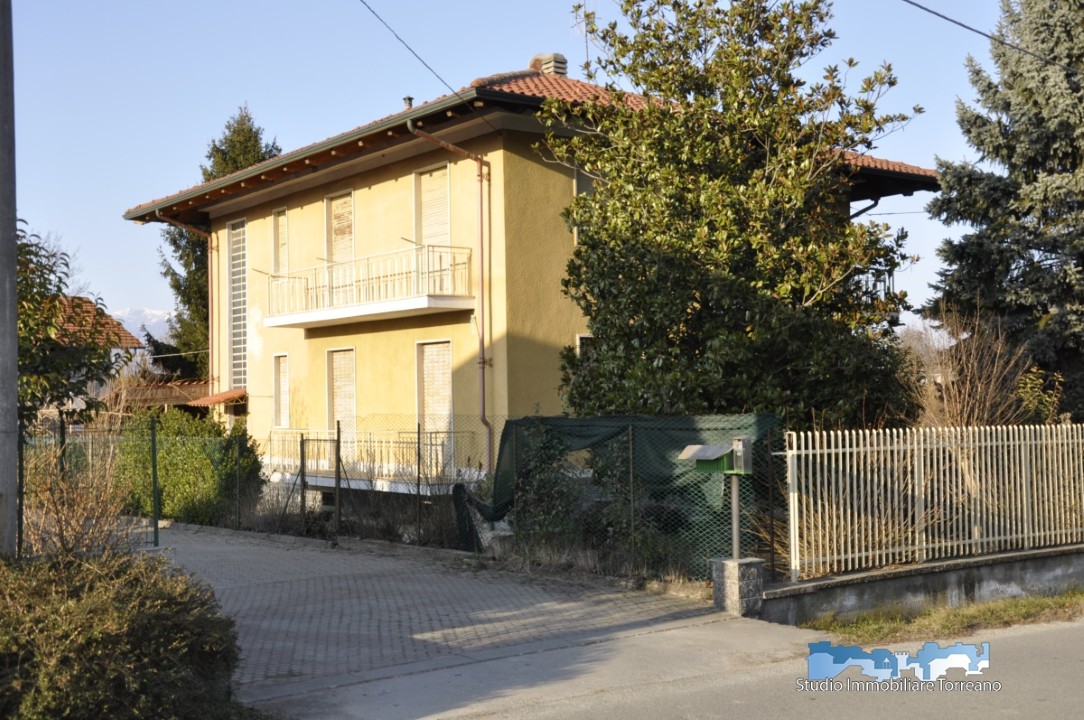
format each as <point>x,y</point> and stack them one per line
<point>738,585</point>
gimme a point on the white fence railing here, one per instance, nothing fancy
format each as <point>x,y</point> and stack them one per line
<point>860,500</point>
<point>415,272</point>
<point>397,458</point>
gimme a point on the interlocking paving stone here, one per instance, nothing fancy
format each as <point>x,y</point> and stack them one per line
<point>307,613</point>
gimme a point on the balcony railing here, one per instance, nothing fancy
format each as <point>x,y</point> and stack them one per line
<point>419,280</point>
<point>390,460</point>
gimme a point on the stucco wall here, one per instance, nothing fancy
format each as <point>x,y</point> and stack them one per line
<point>527,318</point>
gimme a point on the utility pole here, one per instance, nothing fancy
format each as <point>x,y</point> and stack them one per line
<point>9,332</point>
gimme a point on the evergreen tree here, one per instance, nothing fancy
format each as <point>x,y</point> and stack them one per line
<point>715,259</point>
<point>1022,261</point>
<point>240,146</point>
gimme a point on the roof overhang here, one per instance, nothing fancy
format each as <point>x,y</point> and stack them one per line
<point>228,397</point>
<point>192,206</point>
<point>387,138</point>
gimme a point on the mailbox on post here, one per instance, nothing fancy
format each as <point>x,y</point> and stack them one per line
<point>735,461</point>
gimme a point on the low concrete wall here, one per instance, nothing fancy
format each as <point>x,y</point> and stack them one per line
<point>911,589</point>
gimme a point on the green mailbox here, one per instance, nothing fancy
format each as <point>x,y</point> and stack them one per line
<point>734,460</point>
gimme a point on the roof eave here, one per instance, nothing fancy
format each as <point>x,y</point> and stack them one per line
<point>198,195</point>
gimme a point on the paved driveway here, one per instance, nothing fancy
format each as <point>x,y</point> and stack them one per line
<point>322,628</point>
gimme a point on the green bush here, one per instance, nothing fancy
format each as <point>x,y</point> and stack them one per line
<point>204,471</point>
<point>112,636</point>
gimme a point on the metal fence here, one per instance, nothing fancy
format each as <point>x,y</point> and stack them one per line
<point>380,476</point>
<point>861,500</point>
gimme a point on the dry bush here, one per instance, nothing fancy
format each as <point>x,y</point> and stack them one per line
<point>72,505</point>
<point>972,376</point>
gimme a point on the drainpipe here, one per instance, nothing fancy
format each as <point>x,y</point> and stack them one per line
<point>210,292</point>
<point>455,149</point>
<point>863,211</point>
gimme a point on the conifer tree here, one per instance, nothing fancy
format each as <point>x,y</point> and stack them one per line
<point>240,146</point>
<point>1021,261</point>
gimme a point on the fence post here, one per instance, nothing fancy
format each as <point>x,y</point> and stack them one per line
<point>632,508</point>
<point>792,504</point>
<point>339,475</point>
<point>418,511</point>
<point>303,483</point>
<point>60,448</point>
<point>771,499</point>
<point>237,477</point>
<point>735,518</point>
<point>1029,438</point>
<point>155,502</point>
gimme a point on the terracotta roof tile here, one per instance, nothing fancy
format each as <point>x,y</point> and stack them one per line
<point>859,160</point>
<point>79,313</point>
<point>530,83</point>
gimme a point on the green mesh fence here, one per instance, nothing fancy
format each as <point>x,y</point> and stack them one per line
<point>613,490</point>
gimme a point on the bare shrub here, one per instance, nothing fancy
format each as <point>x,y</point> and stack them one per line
<point>72,504</point>
<point>973,376</point>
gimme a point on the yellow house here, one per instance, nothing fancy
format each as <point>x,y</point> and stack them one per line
<point>402,280</point>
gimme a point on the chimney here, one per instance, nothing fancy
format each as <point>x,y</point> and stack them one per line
<point>550,64</point>
<point>408,102</point>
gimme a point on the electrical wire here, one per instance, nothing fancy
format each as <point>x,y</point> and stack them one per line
<point>424,63</point>
<point>992,38</point>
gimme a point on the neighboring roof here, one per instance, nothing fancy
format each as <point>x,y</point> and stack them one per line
<point>228,397</point>
<point>80,312</point>
<point>159,394</point>
<point>518,91</point>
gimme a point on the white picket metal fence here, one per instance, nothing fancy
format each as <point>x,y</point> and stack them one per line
<point>860,500</point>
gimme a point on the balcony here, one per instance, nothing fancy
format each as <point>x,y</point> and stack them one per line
<point>418,281</point>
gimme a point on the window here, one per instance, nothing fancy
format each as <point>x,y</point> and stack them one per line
<point>280,241</point>
<point>435,386</point>
<point>238,304</point>
<point>340,371</point>
<point>585,344</point>
<point>340,228</point>
<point>431,191</point>
<point>340,249</point>
<point>582,184</point>
<point>282,391</point>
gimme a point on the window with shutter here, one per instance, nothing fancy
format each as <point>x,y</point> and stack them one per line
<point>282,391</point>
<point>341,406</point>
<point>281,264</point>
<point>435,394</point>
<point>238,304</point>
<point>340,248</point>
<point>432,212</point>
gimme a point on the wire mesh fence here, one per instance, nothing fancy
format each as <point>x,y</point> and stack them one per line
<point>611,493</point>
<point>82,489</point>
<point>607,494</point>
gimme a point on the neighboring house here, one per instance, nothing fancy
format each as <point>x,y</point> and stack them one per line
<point>403,279</point>
<point>84,322</point>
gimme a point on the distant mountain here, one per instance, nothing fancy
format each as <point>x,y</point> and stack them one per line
<point>155,321</point>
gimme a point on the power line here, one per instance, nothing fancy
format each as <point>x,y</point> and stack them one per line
<point>423,62</point>
<point>993,38</point>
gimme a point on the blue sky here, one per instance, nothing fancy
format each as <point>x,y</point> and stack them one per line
<point>116,101</point>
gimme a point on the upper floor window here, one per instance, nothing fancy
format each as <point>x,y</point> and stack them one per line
<point>432,224</point>
<point>340,228</point>
<point>280,243</point>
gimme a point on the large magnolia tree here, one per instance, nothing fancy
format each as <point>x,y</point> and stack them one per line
<point>716,261</point>
<point>1021,262</point>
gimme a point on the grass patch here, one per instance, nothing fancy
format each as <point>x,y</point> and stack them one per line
<point>944,623</point>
